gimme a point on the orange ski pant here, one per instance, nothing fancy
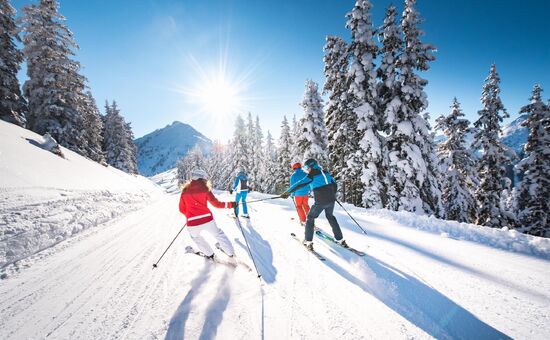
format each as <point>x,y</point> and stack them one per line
<point>302,206</point>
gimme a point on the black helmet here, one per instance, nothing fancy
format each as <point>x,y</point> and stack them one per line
<point>310,163</point>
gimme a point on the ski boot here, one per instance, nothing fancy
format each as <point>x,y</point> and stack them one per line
<point>343,243</point>
<point>308,245</point>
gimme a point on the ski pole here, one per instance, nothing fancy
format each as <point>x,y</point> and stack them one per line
<point>263,199</point>
<point>363,230</point>
<point>248,247</point>
<point>160,258</point>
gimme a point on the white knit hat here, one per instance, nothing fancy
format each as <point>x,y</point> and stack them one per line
<point>198,173</point>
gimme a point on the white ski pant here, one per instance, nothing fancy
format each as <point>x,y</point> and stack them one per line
<point>212,229</point>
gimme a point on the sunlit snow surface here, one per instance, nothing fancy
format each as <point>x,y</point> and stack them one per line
<point>421,277</point>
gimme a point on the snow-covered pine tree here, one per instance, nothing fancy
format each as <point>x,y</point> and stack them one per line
<point>93,129</point>
<point>367,163</point>
<point>193,160</point>
<point>413,181</point>
<point>55,89</point>
<point>392,47</point>
<point>492,164</point>
<point>239,146</point>
<point>297,154</point>
<point>313,137</point>
<point>118,141</point>
<point>218,166</point>
<point>534,190</point>
<point>336,67</point>
<point>12,103</point>
<point>269,165</point>
<point>258,156</point>
<point>458,166</point>
<point>284,157</point>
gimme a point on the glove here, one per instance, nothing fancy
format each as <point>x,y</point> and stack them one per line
<point>250,189</point>
<point>233,205</point>
<point>285,194</point>
<point>230,191</point>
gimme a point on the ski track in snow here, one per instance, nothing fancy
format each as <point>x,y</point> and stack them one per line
<point>411,284</point>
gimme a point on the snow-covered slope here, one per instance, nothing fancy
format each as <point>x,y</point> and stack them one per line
<point>161,149</point>
<point>421,278</point>
<point>46,199</point>
<point>167,180</point>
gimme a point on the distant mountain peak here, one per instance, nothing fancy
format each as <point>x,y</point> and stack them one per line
<point>160,150</point>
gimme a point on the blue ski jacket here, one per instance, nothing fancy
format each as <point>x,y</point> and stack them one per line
<point>296,177</point>
<point>241,182</point>
<point>323,185</point>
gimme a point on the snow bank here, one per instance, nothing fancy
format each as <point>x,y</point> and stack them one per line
<point>46,199</point>
<point>167,180</point>
<point>509,240</point>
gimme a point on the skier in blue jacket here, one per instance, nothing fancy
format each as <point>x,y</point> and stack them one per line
<point>324,192</point>
<point>300,196</point>
<point>240,186</point>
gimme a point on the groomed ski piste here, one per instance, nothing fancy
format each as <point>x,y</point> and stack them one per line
<point>78,240</point>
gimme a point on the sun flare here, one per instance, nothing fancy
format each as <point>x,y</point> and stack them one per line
<point>218,97</point>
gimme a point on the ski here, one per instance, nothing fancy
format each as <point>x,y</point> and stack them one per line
<point>317,255</point>
<point>234,262</point>
<point>216,259</point>
<point>326,237</point>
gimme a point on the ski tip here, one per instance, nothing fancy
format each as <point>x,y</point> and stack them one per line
<point>260,276</point>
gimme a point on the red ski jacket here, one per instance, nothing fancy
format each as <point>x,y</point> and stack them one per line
<point>193,203</point>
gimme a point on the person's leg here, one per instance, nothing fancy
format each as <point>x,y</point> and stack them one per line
<point>243,198</point>
<point>329,210</point>
<point>237,199</point>
<point>305,204</point>
<point>202,245</point>
<point>223,241</point>
<point>313,214</point>
<point>299,200</point>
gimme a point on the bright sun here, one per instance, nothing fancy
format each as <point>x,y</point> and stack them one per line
<point>218,97</point>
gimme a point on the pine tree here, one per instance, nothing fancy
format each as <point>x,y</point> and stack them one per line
<point>118,141</point>
<point>413,181</point>
<point>458,166</point>
<point>492,165</point>
<point>297,154</point>
<point>269,166</point>
<point>366,163</point>
<point>93,129</point>
<point>284,157</point>
<point>239,146</point>
<point>12,103</point>
<point>257,156</point>
<point>313,137</point>
<point>534,189</point>
<point>55,89</point>
<point>336,67</point>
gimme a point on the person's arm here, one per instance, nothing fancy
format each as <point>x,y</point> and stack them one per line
<point>221,205</point>
<point>183,207</point>
<point>300,184</point>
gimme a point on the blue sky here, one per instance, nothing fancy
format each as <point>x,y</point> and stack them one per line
<point>146,54</point>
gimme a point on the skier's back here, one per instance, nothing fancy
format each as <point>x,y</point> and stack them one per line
<point>193,204</point>
<point>324,192</point>
<point>241,188</point>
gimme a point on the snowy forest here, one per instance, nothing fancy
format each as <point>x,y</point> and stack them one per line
<point>55,99</point>
<point>374,136</point>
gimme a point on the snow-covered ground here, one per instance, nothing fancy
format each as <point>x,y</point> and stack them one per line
<point>45,198</point>
<point>421,277</point>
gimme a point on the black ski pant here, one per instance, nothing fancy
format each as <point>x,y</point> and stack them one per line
<point>315,211</point>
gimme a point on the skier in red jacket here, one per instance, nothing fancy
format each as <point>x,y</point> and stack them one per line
<point>194,195</point>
